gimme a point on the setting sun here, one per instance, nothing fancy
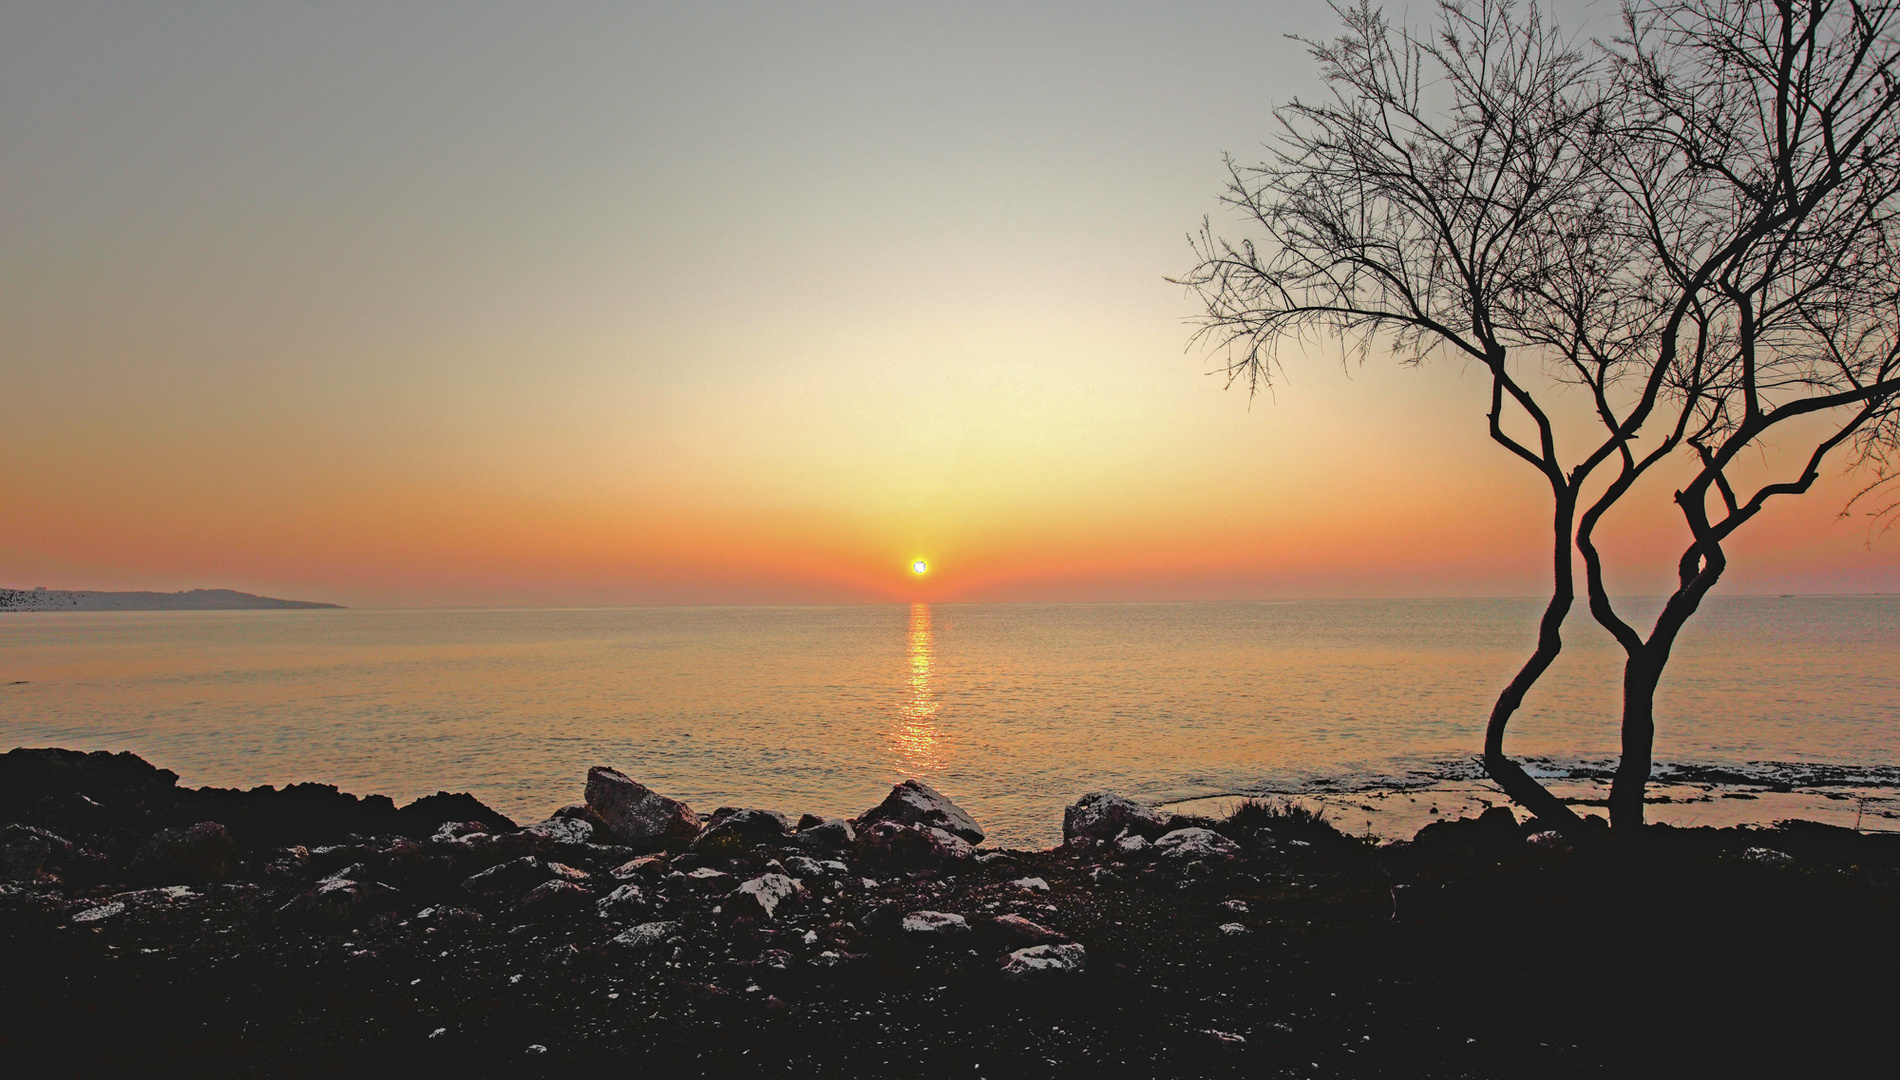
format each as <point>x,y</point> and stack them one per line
<point>919,566</point>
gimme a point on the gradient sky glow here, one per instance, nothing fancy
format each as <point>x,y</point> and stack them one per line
<point>472,304</point>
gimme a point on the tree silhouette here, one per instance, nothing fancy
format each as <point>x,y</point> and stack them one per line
<point>1693,224</point>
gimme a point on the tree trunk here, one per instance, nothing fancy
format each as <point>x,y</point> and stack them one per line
<point>1641,673</point>
<point>1508,774</point>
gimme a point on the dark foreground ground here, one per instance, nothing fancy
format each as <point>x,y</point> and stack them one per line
<point>1469,952</point>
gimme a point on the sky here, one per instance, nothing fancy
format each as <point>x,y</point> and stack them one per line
<point>482,304</point>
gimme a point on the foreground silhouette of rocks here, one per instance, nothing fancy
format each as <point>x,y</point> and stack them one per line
<point>151,929</point>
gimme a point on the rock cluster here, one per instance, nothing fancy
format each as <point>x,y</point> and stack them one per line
<point>614,936</point>
<point>652,873</point>
<point>708,909</point>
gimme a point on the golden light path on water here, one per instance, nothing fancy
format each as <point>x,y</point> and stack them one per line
<point>915,739</point>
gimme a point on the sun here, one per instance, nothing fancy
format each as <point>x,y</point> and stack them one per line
<point>919,566</point>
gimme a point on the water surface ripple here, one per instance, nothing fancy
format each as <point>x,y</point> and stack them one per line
<point>1012,709</point>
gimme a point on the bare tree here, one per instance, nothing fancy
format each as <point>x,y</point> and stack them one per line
<point>1692,224</point>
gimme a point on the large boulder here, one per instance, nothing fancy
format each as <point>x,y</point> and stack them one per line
<point>916,803</point>
<point>1104,815</point>
<point>635,814</point>
<point>90,798</point>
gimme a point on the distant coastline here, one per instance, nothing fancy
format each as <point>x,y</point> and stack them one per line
<point>190,600</point>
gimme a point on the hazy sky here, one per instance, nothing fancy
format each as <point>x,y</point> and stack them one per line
<point>608,303</point>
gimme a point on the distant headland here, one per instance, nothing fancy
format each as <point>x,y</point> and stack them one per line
<point>190,600</point>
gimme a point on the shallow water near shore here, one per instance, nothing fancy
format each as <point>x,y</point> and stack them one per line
<point>1374,709</point>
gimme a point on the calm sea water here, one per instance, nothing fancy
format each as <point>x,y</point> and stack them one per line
<point>1012,709</point>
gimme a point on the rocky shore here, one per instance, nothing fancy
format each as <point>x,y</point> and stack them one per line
<point>151,929</point>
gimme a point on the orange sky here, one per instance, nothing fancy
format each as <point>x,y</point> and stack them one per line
<point>604,305</point>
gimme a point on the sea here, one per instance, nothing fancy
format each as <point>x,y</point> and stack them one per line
<point>1371,711</point>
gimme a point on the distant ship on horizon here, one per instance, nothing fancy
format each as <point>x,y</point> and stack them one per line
<point>44,599</point>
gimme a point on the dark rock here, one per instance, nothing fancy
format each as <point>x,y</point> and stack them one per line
<point>27,853</point>
<point>705,879</point>
<point>450,831</point>
<point>892,844</point>
<point>828,835</point>
<point>767,895</point>
<point>338,899</point>
<point>1104,815</point>
<point>914,802</point>
<point>458,916</point>
<point>625,902</point>
<point>1021,931</point>
<point>426,816</point>
<point>1548,840</point>
<point>512,878</point>
<point>649,867</point>
<point>568,873</point>
<point>203,852</point>
<point>802,867</point>
<point>636,815</point>
<point>806,821</point>
<point>645,936</point>
<point>557,834</point>
<point>1187,845</point>
<point>94,912</point>
<point>603,854</point>
<point>1043,961</point>
<point>556,896</point>
<point>1494,834</point>
<point>881,918</point>
<point>298,814</point>
<point>102,799</point>
<point>733,831</point>
<point>1767,856</point>
<point>934,923</point>
<point>400,857</point>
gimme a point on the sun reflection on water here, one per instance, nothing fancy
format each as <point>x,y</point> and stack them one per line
<point>915,738</point>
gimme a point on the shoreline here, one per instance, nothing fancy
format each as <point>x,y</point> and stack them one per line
<point>309,932</point>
